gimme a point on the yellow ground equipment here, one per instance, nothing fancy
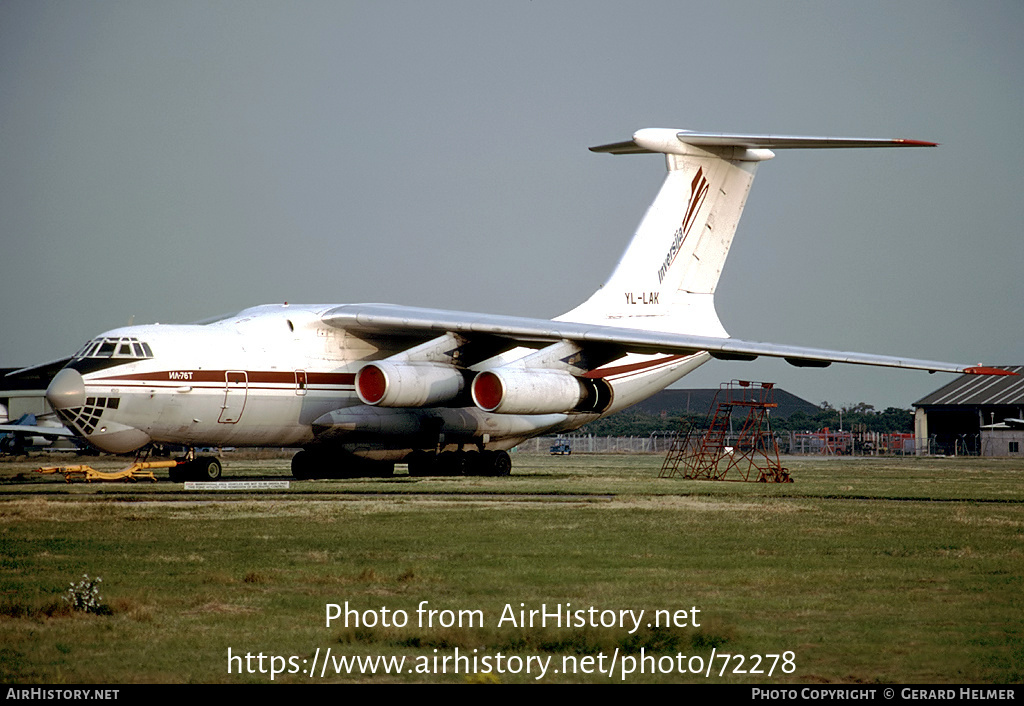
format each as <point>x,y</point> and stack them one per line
<point>136,471</point>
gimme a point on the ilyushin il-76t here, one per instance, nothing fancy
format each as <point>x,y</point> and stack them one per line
<point>359,387</point>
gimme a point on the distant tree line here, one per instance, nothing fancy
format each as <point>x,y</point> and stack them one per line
<point>860,417</point>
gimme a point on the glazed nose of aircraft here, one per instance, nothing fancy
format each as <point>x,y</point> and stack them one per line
<point>93,418</point>
<point>66,390</point>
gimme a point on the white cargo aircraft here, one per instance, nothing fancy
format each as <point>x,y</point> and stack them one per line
<point>362,386</point>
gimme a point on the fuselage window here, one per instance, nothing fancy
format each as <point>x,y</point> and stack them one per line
<point>106,349</point>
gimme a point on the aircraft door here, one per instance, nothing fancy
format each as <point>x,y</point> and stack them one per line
<point>236,390</point>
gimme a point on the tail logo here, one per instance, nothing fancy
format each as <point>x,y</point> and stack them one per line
<point>698,193</point>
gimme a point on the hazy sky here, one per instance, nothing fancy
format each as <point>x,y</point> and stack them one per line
<point>171,161</point>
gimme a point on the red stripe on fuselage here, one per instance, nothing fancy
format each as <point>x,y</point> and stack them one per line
<point>274,377</point>
<point>633,367</point>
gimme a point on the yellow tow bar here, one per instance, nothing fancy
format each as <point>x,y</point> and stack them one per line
<point>134,472</point>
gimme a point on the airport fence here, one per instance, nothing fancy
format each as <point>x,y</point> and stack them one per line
<point>590,444</point>
<point>821,443</point>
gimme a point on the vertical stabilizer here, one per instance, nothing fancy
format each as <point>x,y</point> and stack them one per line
<point>666,279</point>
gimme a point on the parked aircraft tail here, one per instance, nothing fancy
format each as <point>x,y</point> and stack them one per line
<point>666,279</point>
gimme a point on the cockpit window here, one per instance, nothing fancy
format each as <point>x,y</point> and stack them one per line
<point>125,347</point>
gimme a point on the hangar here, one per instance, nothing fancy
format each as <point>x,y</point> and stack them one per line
<point>699,401</point>
<point>969,416</point>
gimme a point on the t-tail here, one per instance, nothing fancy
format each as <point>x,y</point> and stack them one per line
<point>666,279</point>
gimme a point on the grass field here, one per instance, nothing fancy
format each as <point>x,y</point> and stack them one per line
<point>867,571</point>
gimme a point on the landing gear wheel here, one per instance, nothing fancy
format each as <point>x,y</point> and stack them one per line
<point>451,463</point>
<point>497,463</point>
<point>382,469</point>
<point>304,465</point>
<point>421,463</point>
<point>475,463</point>
<point>204,468</point>
<point>207,468</point>
<point>307,465</point>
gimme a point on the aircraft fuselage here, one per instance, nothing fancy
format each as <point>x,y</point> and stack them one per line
<point>277,376</point>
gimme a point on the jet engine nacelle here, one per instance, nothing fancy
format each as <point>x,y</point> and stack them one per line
<point>532,391</point>
<point>388,384</point>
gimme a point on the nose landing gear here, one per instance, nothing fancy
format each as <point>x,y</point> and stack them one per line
<point>200,468</point>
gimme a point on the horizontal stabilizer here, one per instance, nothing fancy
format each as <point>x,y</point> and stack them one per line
<point>673,141</point>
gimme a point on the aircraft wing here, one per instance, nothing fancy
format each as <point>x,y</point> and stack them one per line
<point>42,373</point>
<point>45,432</point>
<point>381,320</point>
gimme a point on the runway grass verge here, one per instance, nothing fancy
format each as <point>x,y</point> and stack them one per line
<point>867,571</point>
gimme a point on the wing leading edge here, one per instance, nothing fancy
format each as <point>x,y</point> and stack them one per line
<point>45,432</point>
<point>386,319</point>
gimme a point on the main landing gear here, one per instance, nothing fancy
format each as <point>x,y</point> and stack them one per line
<point>459,463</point>
<point>308,464</point>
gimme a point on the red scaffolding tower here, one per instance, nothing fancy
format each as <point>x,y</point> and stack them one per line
<point>704,451</point>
